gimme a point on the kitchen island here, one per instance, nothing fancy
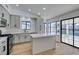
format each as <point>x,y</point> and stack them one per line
<point>42,42</point>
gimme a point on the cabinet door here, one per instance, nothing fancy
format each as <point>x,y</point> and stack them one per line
<point>22,37</point>
<point>17,21</point>
<point>12,22</point>
<point>17,38</point>
<point>4,47</point>
<point>28,37</point>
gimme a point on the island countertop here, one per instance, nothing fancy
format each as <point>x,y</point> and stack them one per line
<point>42,35</point>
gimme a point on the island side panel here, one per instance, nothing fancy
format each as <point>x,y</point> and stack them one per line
<point>43,43</point>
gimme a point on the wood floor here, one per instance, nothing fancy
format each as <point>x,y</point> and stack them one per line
<point>26,49</point>
<point>22,49</point>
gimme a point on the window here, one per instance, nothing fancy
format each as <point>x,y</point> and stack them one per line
<point>49,27</point>
<point>26,25</point>
<point>45,27</point>
<point>53,28</point>
<point>58,28</point>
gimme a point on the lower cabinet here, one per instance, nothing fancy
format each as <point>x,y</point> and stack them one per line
<point>19,38</point>
<point>58,38</point>
<point>16,38</point>
<point>22,37</point>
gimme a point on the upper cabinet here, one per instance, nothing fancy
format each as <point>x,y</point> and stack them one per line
<point>37,24</point>
<point>14,21</point>
<point>4,14</point>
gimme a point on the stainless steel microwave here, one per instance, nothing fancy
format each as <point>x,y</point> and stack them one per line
<point>3,22</point>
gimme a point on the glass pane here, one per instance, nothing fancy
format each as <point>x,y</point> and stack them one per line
<point>53,28</point>
<point>76,32</point>
<point>49,27</point>
<point>58,28</point>
<point>67,31</point>
<point>28,25</point>
<point>23,26</point>
<point>45,28</point>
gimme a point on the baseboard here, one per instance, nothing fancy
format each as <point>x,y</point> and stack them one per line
<point>40,53</point>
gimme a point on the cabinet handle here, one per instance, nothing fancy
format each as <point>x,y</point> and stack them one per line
<point>3,48</point>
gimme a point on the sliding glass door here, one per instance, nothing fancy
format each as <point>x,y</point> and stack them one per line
<point>67,31</point>
<point>76,32</point>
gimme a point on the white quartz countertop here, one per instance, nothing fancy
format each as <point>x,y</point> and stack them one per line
<point>21,32</point>
<point>16,31</point>
<point>42,35</point>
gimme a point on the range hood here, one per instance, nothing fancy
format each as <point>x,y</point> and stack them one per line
<point>3,22</point>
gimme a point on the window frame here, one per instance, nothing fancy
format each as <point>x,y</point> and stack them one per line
<point>26,24</point>
<point>73,31</point>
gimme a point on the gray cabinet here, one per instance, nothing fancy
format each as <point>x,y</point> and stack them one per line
<point>20,38</point>
<point>14,21</point>
<point>16,38</point>
<point>28,37</point>
<point>37,25</point>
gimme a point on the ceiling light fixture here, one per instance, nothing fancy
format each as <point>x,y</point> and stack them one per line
<point>29,9</point>
<point>17,5</point>
<point>44,8</point>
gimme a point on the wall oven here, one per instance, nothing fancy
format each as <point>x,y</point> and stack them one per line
<point>3,45</point>
<point>9,42</point>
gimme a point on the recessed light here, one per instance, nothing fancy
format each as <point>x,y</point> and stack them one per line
<point>17,5</point>
<point>44,8</point>
<point>29,9</point>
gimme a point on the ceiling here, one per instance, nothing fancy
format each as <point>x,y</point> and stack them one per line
<point>51,11</point>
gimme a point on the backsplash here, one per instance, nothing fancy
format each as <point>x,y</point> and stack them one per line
<point>3,30</point>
